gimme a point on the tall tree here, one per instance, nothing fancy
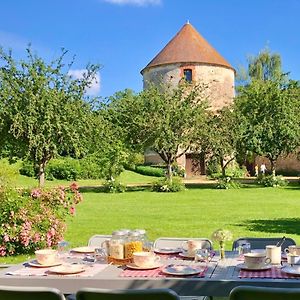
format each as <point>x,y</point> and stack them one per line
<point>162,118</point>
<point>269,115</point>
<point>43,111</point>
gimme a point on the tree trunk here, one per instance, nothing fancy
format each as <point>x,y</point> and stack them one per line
<point>169,171</point>
<point>223,167</point>
<point>273,167</point>
<point>42,166</point>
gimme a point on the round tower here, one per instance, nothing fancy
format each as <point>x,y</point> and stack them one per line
<point>188,55</point>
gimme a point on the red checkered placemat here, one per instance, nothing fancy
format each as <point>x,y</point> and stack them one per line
<point>270,273</point>
<point>155,273</point>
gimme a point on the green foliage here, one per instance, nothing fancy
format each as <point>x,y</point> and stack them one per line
<point>150,171</point>
<point>271,181</point>
<point>27,169</point>
<point>89,168</point>
<point>34,219</point>
<point>227,183</point>
<point>269,118</point>
<point>166,185</point>
<point>7,172</point>
<point>66,168</point>
<point>43,112</point>
<point>113,186</point>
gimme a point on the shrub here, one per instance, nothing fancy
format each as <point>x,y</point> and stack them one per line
<point>34,219</point>
<point>178,170</point>
<point>7,171</point>
<point>113,186</point>
<point>66,169</point>
<point>150,171</point>
<point>27,169</point>
<point>89,168</point>
<point>164,185</point>
<point>271,181</point>
<point>227,183</point>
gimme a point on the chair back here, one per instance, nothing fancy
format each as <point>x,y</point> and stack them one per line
<point>30,293</point>
<point>143,294</point>
<point>261,243</point>
<point>98,239</point>
<point>171,242</point>
<point>263,293</point>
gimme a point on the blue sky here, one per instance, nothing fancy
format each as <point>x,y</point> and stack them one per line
<point>124,35</point>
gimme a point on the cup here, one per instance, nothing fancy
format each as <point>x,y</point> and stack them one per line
<point>202,255</point>
<point>145,259</point>
<point>293,249</point>
<point>46,256</point>
<point>293,259</point>
<point>274,253</point>
<point>256,260</point>
<point>191,246</point>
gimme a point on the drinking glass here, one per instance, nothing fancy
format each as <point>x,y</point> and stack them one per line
<point>100,255</point>
<point>202,255</point>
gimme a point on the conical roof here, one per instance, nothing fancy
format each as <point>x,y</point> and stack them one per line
<point>188,46</point>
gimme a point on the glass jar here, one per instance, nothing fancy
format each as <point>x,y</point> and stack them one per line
<point>116,244</point>
<point>144,239</point>
<point>133,244</point>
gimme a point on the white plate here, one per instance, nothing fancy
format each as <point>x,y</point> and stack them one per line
<point>84,249</point>
<point>186,255</point>
<point>167,250</point>
<point>181,270</point>
<point>34,263</point>
<point>262,268</point>
<point>67,269</point>
<point>295,270</point>
<point>135,267</point>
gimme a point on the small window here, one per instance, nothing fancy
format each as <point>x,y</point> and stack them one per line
<point>188,75</point>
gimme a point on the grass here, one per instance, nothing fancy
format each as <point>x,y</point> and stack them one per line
<point>126,177</point>
<point>196,212</point>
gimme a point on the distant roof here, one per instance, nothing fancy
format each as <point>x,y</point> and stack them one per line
<point>188,46</point>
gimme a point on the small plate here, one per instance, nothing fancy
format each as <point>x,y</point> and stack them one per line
<point>182,270</point>
<point>184,254</point>
<point>244,267</point>
<point>84,249</point>
<point>135,267</point>
<point>67,269</point>
<point>36,264</point>
<point>167,250</point>
<point>295,270</point>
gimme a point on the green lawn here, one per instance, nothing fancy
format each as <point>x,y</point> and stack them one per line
<point>196,212</point>
<point>127,177</point>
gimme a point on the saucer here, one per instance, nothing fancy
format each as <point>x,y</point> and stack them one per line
<point>291,270</point>
<point>181,270</point>
<point>262,268</point>
<point>184,254</point>
<point>36,264</point>
<point>135,267</point>
<point>67,269</point>
<point>167,250</point>
<point>84,249</point>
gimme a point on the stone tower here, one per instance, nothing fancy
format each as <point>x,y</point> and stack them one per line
<point>188,55</point>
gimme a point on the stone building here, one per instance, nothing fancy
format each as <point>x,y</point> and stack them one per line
<point>188,55</point>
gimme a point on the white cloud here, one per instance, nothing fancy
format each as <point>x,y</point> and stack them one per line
<point>135,2</point>
<point>94,87</point>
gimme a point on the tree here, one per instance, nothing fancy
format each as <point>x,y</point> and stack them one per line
<point>269,115</point>
<point>162,118</point>
<point>220,138</point>
<point>43,111</point>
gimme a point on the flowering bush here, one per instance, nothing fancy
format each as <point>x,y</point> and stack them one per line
<point>165,185</point>
<point>221,236</point>
<point>34,219</point>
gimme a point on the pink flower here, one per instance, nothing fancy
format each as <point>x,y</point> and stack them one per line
<point>74,186</point>
<point>2,251</point>
<point>36,193</point>
<point>36,237</point>
<point>6,238</point>
<point>72,210</point>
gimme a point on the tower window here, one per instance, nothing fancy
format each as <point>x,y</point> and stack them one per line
<point>188,75</point>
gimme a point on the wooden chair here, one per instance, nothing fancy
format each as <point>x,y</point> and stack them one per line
<point>143,294</point>
<point>261,243</point>
<point>98,239</point>
<point>171,242</point>
<point>30,293</point>
<point>263,293</point>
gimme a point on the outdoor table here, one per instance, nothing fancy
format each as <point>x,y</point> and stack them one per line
<point>220,278</point>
